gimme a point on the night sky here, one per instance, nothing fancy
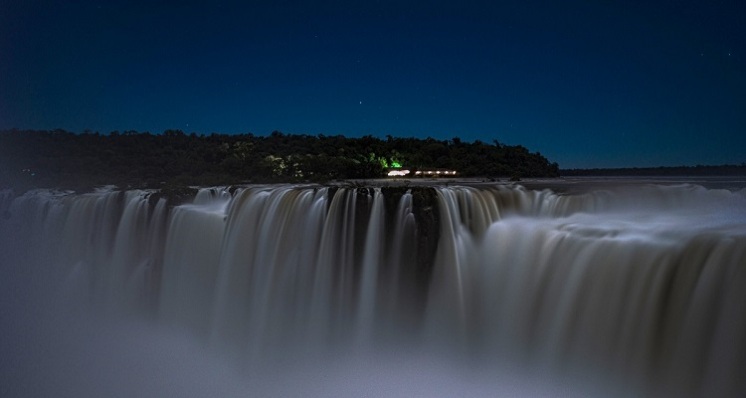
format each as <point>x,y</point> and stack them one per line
<point>586,83</point>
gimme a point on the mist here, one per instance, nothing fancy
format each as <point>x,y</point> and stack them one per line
<point>286,290</point>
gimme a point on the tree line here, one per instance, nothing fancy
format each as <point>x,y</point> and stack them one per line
<point>60,158</point>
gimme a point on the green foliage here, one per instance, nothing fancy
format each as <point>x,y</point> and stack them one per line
<point>143,160</point>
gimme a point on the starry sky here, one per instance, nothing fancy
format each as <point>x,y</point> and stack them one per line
<point>586,83</point>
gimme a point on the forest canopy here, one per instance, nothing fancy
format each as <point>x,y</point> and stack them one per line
<point>62,159</point>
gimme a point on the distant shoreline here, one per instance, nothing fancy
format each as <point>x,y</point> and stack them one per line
<point>662,171</point>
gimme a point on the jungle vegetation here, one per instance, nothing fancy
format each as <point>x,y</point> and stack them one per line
<point>131,159</point>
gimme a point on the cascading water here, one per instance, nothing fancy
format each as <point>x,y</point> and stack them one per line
<point>308,290</point>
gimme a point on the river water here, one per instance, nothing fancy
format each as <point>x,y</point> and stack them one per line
<point>574,287</point>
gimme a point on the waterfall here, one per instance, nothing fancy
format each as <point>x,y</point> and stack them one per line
<point>371,261</point>
<point>641,285</point>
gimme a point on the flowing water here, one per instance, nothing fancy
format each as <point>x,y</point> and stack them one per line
<point>613,289</point>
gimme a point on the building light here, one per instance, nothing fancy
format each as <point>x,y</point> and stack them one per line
<point>398,173</point>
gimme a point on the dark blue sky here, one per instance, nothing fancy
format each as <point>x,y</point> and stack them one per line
<point>586,83</point>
